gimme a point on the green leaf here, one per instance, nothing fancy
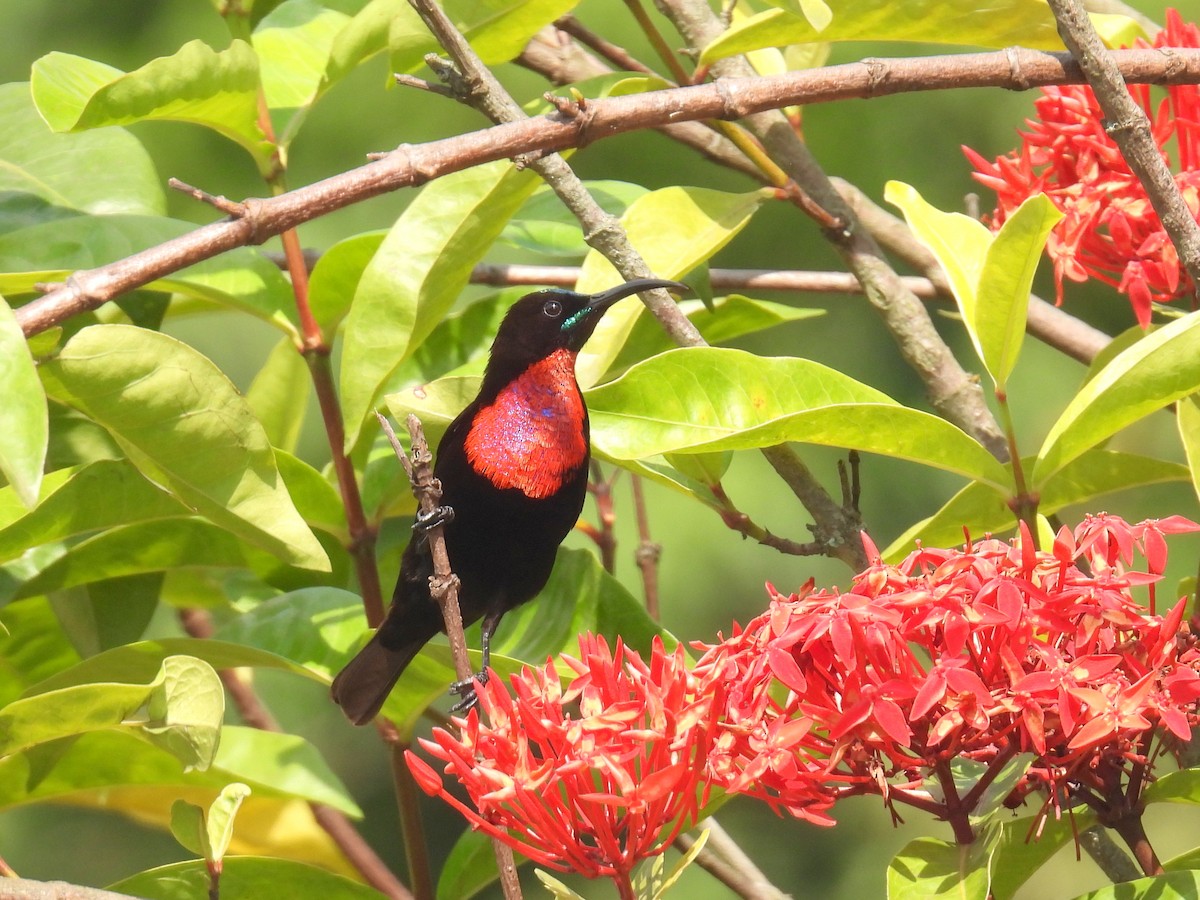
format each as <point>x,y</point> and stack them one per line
<point>155,546</point>
<point>336,275</point>
<point>557,889</point>
<point>990,274</point>
<point>280,393</point>
<point>1187,420</point>
<point>729,318</point>
<point>187,827</point>
<point>293,43</point>
<point>1182,786</point>
<point>674,230</point>
<point>24,421</point>
<point>1001,24</point>
<point>283,764</point>
<point>141,660</point>
<point>544,225</point>
<point>316,499</point>
<point>219,821</point>
<point>417,274</point>
<point>93,497</point>
<point>1161,368</point>
<point>709,399</point>
<point>184,425</point>
<point>244,878</point>
<point>316,628</point>
<point>1172,886</point>
<point>242,278</point>
<point>108,613</point>
<point>197,84</point>
<point>180,710</point>
<point>1026,845</point>
<point>498,30</point>
<point>986,510</point>
<point>469,868</point>
<point>33,647</point>
<point>46,175</point>
<point>928,868</point>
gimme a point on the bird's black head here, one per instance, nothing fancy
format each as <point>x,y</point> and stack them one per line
<point>556,319</point>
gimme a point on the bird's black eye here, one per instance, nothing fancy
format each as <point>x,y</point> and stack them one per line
<point>552,308</point>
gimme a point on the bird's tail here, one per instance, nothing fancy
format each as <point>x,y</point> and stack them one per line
<point>361,687</point>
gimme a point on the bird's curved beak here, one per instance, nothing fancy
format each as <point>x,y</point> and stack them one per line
<point>603,300</point>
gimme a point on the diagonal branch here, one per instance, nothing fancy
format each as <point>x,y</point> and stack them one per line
<point>413,165</point>
<point>1127,125</point>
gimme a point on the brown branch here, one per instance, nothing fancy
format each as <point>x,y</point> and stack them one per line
<point>722,858</point>
<point>413,165</point>
<point>648,552</point>
<point>24,889</point>
<point>1127,125</point>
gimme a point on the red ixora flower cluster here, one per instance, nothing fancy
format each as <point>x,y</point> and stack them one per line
<point>592,778</point>
<point>982,653</point>
<point>1109,230</point>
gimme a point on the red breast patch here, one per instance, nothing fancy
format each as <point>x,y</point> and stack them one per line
<point>531,436</point>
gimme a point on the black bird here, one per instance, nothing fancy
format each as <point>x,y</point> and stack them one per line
<point>513,467</point>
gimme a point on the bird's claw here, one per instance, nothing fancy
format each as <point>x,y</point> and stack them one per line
<point>439,515</point>
<point>466,690</point>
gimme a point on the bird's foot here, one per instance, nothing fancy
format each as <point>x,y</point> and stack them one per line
<point>466,690</point>
<point>439,515</point>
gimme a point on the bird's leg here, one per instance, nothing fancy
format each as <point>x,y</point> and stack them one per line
<point>466,688</point>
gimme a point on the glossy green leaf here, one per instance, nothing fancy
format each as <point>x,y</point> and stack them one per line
<point>336,275</point>
<point>1159,369</point>
<point>544,225</point>
<point>1187,420</point>
<point>46,176</point>
<point>90,498</point>
<point>316,499</point>
<point>197,84</point>
<point>280,393</point>
<point>730,317</point>
<point>1181,786</point>
<point>708,399</point>
<point>560,891</point>
<point>674,230</point>
<point>184,425</point>
<point>1025,846</point>
<point>244,878</point>
<point>108,613</point>
<point>284,764</point>
<point>986,511</point>
<point>928,868</point>
<point>180,710</point>
<point>1004,23</point>
<point>1183,885</point>
<point>469,868</point>
<point>154,546</point>
<point>139,661</point>
<point>33,647</point>
<point>220,819</point>
<point>187,827</point>
<point>417,274</point>
<point>293,43</point>
<point>315,628</point>
<point>990,275</point>
<point>24,421</point>
<point>50,251</point>
<point>497,29</point>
